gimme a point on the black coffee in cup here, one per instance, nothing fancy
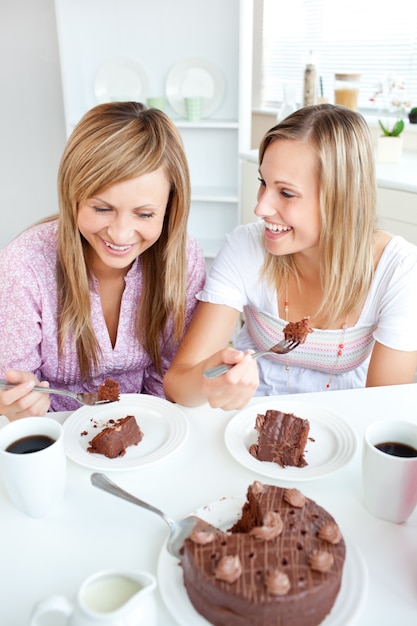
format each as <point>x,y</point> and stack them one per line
<point>31,443</point>
<point>396,448</point>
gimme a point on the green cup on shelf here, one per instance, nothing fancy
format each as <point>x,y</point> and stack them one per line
<point>158,102</point>
<point>194,108</point>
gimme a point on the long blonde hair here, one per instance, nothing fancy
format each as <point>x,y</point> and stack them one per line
<point>343,145</point>
<point>114,142</point>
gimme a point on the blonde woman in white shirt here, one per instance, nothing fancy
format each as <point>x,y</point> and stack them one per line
<point>316,252</point>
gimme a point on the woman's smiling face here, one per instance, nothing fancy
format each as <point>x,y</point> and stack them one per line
<point>124,220</point>
<point>288,197</point>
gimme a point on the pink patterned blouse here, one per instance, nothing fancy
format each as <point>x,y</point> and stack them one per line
<point>28,320</point>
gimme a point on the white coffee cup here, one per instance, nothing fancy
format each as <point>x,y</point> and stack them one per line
<point>389,481</point>
<point>107,598</point>
<point>35,481</point>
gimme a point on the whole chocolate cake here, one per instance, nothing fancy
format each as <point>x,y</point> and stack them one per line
<point>118,435</point>
<point>282,438</point>
<point>280,565</point>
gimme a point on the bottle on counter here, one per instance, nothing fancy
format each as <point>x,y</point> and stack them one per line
<point>288,104</point>
<point>309,83</point>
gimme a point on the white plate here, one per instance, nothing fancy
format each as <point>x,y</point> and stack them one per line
<point>195,77</point>
<point>120,80</point>
<point>164,426</point>
<point>223,514</point>
<point>334,442</point>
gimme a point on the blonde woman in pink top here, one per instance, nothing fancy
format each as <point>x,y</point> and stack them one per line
<point>316,251</point>
<point>107,287</point>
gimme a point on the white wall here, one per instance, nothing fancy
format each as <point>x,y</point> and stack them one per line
<point>32,130</point>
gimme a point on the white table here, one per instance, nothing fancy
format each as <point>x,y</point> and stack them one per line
<point>92,530</point>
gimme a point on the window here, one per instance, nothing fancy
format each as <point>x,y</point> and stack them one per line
<point>364,36</point>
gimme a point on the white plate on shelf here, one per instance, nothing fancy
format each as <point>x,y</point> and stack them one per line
<point>164,426</point>
<point>195,77</point>
<point>223,514</point>
<point>334,441</point>
<point>120,80</point>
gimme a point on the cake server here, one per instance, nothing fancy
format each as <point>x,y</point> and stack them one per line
<point>284,346</point>
<point>178,530</point>
<point>88,399</point>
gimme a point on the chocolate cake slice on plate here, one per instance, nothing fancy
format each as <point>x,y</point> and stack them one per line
<point>282,438</point>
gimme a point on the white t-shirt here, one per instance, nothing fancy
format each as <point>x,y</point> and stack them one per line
<point>329,359</point>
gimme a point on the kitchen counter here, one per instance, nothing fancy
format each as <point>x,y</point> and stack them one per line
<point>401,176</point>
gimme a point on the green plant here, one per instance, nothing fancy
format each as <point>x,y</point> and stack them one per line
<point>395,131</point>
<point>412,116</point>
<point>391,94</point>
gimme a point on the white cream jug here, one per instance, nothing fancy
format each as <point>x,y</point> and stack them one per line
<point>107,598</point>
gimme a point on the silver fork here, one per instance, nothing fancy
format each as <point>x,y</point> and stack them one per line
<point>284,346</point>
<point>178,530</point>
<point>88,399</point>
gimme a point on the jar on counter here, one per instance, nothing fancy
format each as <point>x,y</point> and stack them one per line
<point>346,90</point>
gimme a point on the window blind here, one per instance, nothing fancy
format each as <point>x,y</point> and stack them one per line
<point>359,36</point>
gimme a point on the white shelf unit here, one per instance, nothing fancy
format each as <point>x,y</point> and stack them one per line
<point>157,36</point>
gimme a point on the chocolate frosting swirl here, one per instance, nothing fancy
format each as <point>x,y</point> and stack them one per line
<point>277,583</point>
<point>320,560</point>
<point>330,532</point>
<point>228,569</point>
<point>295,498</point>
<point>271,528</point>
<point>258,487</point>
<point>202,536</point>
